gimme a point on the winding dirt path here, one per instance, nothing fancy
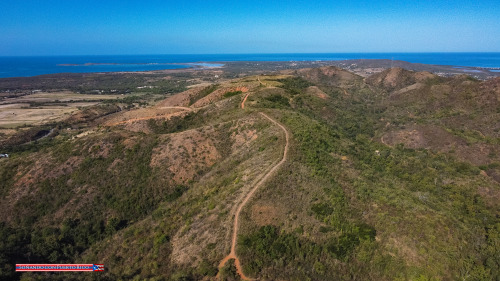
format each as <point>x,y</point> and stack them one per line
<point>244,100</point>
<point>152,117</point>
<point>232,254</point>
<point>177,107</point>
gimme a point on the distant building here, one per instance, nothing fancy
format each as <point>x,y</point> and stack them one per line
<point>4,155</point>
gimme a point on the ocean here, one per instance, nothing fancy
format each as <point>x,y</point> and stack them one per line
<point>32,66</point>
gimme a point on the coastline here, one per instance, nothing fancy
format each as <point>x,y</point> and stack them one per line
<point>37,65</point>
<point>362,67</point>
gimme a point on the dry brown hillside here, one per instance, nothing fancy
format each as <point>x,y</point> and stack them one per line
<point>328,75</point>
<point>398,78</point>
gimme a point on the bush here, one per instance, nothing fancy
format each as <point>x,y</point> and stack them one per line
<point>230,94</point>
<point>278,99</point>
<point>294,85</point>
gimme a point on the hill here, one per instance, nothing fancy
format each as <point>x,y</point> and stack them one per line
<point>328,175</point>
<point>399,78</point>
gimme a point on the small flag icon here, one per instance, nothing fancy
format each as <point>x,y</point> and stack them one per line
<point>98,267</point>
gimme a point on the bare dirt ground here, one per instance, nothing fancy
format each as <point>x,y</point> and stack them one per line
<point>217,95</point>
<point>181,99</point>
<point>146,114</point>
<point>185,153</point>
<point>313,90</point>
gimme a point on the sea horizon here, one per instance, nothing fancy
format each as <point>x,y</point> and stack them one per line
<point>27,66</point>
<point>216,54</point>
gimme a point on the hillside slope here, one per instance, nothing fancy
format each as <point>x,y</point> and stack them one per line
<point>381,181</point>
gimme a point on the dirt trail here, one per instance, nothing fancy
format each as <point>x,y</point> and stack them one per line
<point>177,107</point>
<point>244,100</point>
<point>383,141</point>
<point>152,117</point>
<point>232,254</point>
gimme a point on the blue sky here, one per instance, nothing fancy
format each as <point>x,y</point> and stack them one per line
<point>67,27</point>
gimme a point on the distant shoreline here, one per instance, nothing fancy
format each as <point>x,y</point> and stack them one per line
<point>201,65</point>
<point>34,66</point>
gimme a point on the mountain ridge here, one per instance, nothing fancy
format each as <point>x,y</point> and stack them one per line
<point>382,181</point>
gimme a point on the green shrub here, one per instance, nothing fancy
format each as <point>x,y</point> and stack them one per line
<point>294,85</point>
<point>278,100</point>
<point>233,93</point>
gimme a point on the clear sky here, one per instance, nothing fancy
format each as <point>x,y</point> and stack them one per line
<point>74,27</point>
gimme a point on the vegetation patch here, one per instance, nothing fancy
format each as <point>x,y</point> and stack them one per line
<point>294,85</point>
<point>176,123</point>
<point>278,100</point>
<point>232,93</point>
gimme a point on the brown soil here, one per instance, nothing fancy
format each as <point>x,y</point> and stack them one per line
<point>412,87</point>
<point>181,99</point>
<point>313,90</point>
<point>436,138</point>
<point>184,154</point>
<point>329,75</point>
<point>217,95</point>
<point>494,174</point>
<point>144,115</point>
<point>243,136</point>
<point>172,106</point>
<point>264,214</point>
<point>398,78</point>
<point>66,168</point>
<point>490,194</point>
<point>244,100</point>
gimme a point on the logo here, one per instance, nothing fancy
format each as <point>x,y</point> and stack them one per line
<point>59,267</point>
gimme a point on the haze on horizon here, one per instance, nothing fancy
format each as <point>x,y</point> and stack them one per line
<point>51,27</point>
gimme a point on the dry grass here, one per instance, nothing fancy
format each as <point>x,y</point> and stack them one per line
<point>15,115</point>
<point>141,114</point>
<point>437,138</point>
<point>186,153</point>
<point>313,90</point>
<point>16,112</point>
<point>265,214</point>
<point>63,96</point>
<point>181,99</point>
